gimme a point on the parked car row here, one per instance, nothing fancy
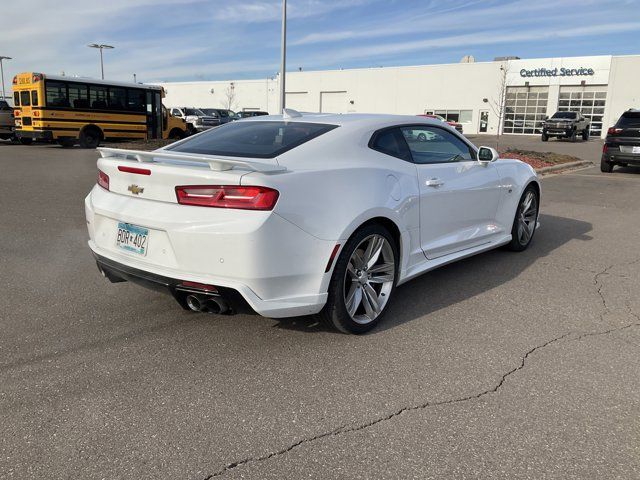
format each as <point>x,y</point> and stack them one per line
<point>200,119</point>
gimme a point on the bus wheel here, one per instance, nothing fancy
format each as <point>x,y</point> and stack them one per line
<point>66,142</point>
<point>26,141</point>
<point>176,134</point>
<point>90,137</point>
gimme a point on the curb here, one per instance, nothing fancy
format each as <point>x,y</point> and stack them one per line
<point>563,166</point>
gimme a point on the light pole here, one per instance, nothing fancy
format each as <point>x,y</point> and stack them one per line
<point>2,74</point>
<point>283,58</point>
<point>100,46</point>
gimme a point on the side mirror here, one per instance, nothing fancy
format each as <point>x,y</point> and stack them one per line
<point>486,155</point>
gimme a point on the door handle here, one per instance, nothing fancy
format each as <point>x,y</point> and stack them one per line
<point>434,182</point>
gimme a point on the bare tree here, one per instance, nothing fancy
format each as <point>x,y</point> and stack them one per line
<point>230,97</point>
<point>498,102</point>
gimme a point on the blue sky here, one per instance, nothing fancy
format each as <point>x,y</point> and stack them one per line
<point>164,40</point>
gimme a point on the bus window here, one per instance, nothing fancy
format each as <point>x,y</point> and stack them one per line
<point>25,101</point>
<point>78,95</point>
<point>98,97</point>
<point>117,98</point>
<point>136,100</point>
<point>57,94</point>
<point>16,99</point>
<point>34,97</point>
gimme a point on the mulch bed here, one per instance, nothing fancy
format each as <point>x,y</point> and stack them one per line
<point>538,159</point>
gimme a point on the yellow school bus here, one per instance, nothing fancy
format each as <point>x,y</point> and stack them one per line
<point>68,110</point>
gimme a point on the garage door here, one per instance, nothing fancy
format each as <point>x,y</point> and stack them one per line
<point>525,109</point>
<point>300,101</point>
<point>333,102</point>
<point>589,100</point>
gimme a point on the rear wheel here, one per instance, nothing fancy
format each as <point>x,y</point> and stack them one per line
<point>525,221</point>
<point>606,167</point>
<point>90,137</point>
<point>545,137</point>
<point>362,282</point>
<point>585,134</point>
<point>422,137</point>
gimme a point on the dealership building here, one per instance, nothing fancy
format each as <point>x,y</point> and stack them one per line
<point>601,87</point>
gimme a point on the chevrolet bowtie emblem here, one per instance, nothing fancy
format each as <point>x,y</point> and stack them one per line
<point>135,189</point>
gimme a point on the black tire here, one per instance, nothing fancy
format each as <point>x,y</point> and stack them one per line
<point>90,137</point>
<point>176,134</point>
<point>518,244</point>
<point>335,314</point>
<point>606,167</point>
<point>26,141</point>
<point>574,135</point>
<point>422,137</point>
<point>585,135</point>
<point>545,137</point>
<point>66,142</point>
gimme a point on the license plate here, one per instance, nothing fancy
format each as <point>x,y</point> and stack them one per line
<point>629,149</point>
<point>132,238</point>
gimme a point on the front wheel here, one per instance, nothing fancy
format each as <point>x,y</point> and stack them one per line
<point>363,281</point>
<point>545,137</point>
<point>525,221</point>
<point>573,137</point>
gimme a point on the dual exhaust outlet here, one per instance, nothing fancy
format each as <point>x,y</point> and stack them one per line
<point>207,303</point>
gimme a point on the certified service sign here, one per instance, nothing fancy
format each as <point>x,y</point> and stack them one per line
<point>557,72</point>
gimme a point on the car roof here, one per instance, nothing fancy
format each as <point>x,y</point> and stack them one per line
<point>350,120</point>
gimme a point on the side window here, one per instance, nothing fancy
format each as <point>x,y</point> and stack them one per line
<point>16,99</point>
<point>117,98</point>
<point>25,98</point>
<point>34,97</point>
<point>78,96</point>
<point>56,93</point>
<point>390,142</point>
<point>176,113</point>
<point>136,100</point>
<point>98,97</point>
<point>436,145</point>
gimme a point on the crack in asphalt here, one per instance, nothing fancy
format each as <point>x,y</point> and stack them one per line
<point>523,360</point>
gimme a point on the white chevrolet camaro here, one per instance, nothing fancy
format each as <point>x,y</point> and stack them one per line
<point>305,213</point>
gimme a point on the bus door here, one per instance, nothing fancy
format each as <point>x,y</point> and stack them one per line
<point>154,115</point>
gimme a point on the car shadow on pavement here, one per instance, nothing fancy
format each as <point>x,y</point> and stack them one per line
<point>464,279</point>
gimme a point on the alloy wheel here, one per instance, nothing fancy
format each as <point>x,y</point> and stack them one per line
<point>369,279</point>
<point>527,217</point>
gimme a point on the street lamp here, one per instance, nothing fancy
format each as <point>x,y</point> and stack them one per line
<point>100,46</point>
<point>283,58</point>
<point>2,74</point>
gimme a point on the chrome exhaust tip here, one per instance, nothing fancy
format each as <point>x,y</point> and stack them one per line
<point>194,303</point>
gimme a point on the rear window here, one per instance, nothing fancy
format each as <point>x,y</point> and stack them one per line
<point>25,98</point>
<point>629,120</point>
<point>253,139</point>
<point>564,115</point>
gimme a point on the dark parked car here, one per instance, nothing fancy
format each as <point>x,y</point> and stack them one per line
<point>223,114</point>
<point>622,145</point>
<point>252,113</point>
<point>566,125</point>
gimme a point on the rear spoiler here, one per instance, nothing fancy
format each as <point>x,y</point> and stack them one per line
<point>215,163</point>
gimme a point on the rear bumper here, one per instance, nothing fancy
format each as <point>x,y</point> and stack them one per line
<point>617,157</point>
<point>275,266</point>
<point>35,134</point>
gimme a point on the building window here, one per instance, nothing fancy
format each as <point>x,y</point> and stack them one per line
<point>525,109</point>
<point>459,116</point>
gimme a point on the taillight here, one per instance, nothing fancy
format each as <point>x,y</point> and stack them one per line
<point>614,131</point>
<point>103,180</point>
<point>139,171</point>
<point>228,196</point>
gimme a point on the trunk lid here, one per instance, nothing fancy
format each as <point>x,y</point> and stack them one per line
<point>155,175</point>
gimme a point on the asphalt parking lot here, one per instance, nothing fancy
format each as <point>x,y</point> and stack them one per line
<point>500,366</point>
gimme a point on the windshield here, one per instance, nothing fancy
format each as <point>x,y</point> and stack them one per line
<point>253,139</point>
<point>629,120</point>
<point>194,111</point>
<point>570,115</point>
